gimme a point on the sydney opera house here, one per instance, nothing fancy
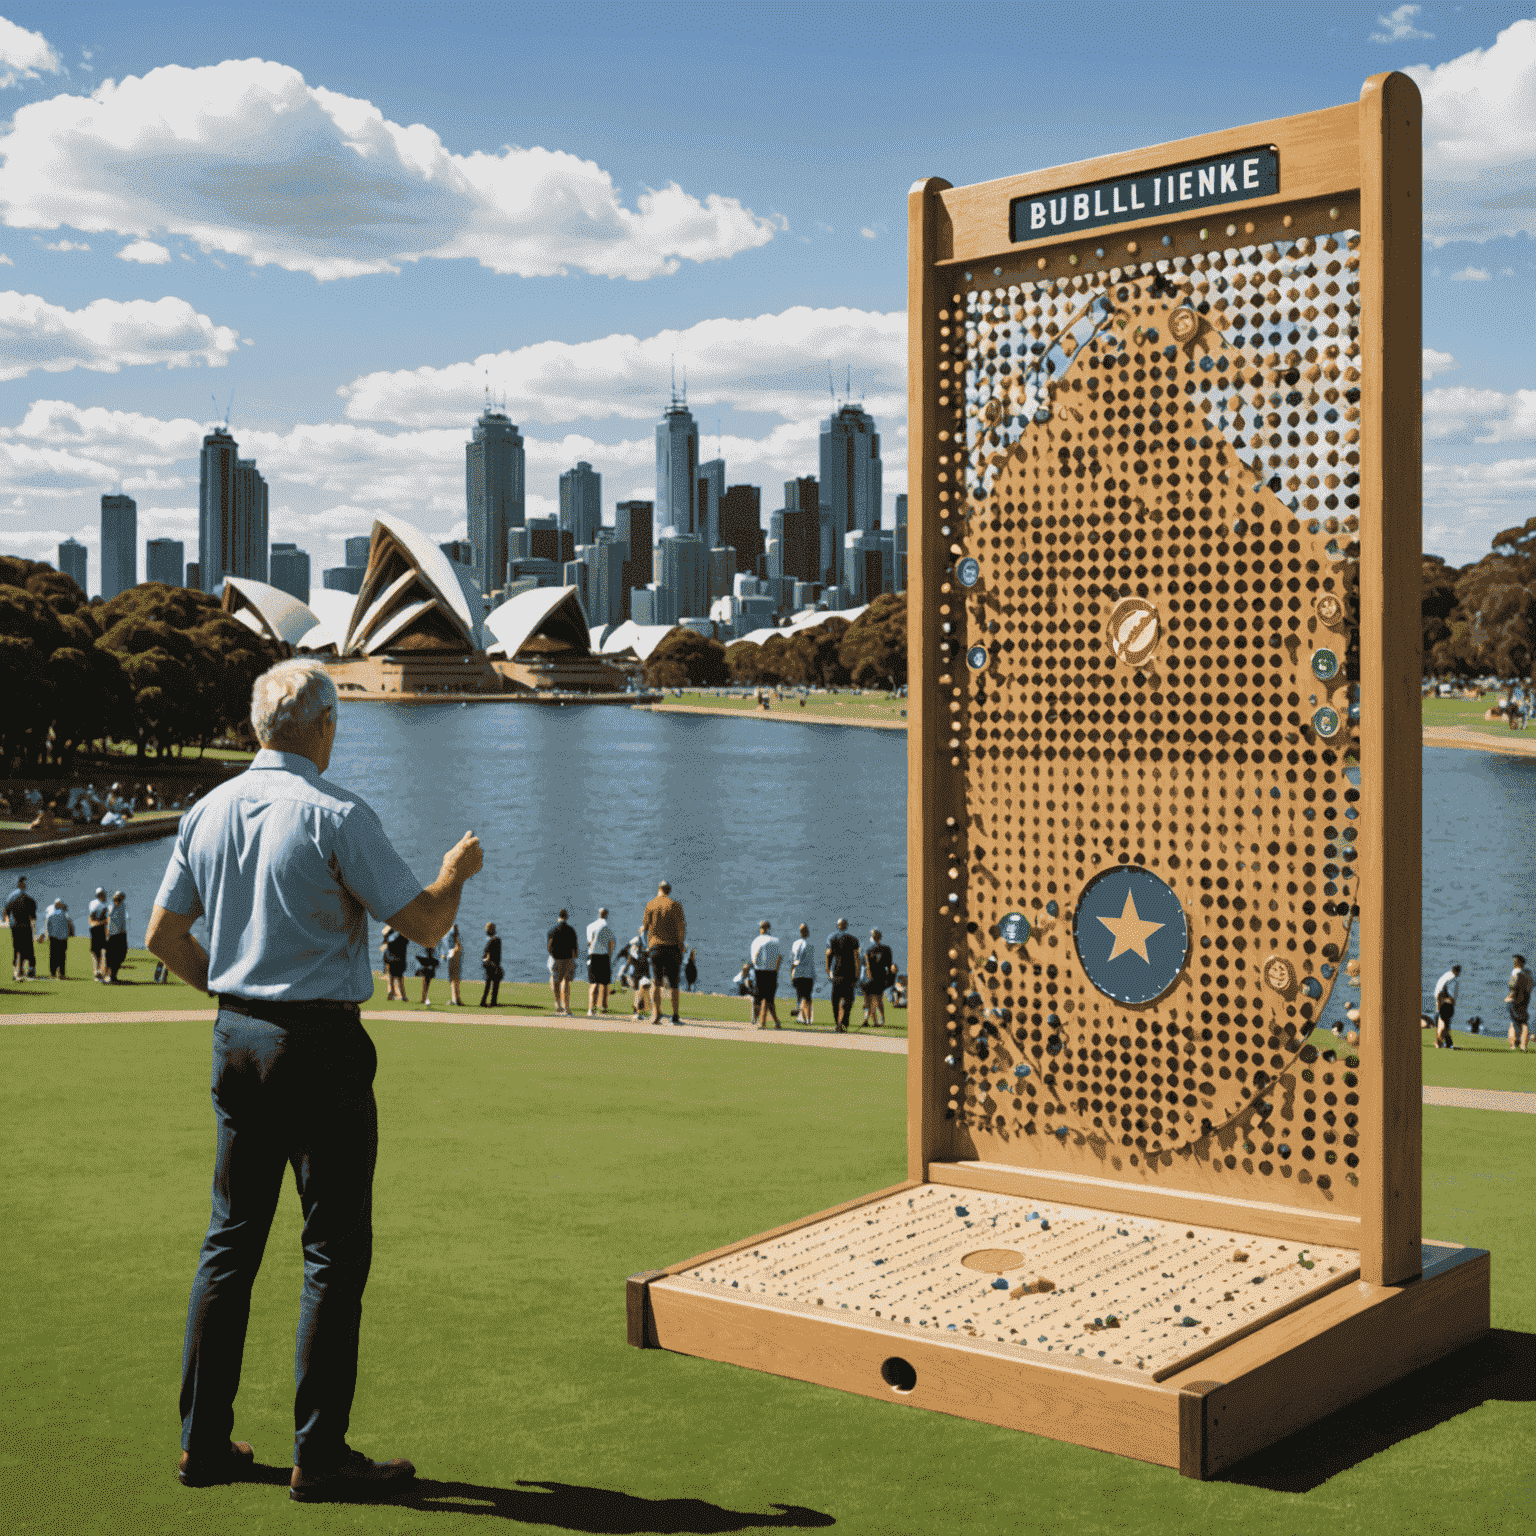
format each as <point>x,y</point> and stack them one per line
<point>417,627</point>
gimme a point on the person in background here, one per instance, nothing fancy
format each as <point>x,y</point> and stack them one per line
<point>455,946</point>
<point>666,931</point>
<point>561,944</point>
<point>899,992</point>
<point>767,957</point>
<point>426,968</point>
<point>1519,1000</point>
<point>746,981</point>
<point>877,977</point>
<point>691,969</point>
<point>490,963</point>
<point>96,918</point>
<point>21,914</point>
<point>802,971</point>
<point>396,950</point>
<point>117,936</point>
<point>60,929</point>
<point>600,944</point>
<point>1445,1007</point>
<point>842,960</point>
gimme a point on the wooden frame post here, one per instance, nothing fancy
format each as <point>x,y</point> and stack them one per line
<point>1392,666</point>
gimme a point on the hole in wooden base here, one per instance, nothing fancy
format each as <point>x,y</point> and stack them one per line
<point>898,1374</point>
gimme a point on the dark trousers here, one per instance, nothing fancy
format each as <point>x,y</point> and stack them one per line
<point>297,1096</point>
<point>58,952</point>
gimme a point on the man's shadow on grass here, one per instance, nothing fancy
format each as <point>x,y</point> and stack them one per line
<point>1499,1368</point>
<point>602,1511</point>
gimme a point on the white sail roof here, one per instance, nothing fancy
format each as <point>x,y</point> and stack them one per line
<point>410,581</point>
<point>556,611</point>
<point>268,610</point>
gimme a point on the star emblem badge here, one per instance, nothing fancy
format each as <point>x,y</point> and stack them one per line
<point>1131,934</point>
<point>1131,931</point>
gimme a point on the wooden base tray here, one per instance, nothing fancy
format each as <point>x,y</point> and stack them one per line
<point>1086,1339</point>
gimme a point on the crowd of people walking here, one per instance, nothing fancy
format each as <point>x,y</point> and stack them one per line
<point>106,919</point>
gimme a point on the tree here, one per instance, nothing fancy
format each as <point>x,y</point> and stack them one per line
<point>687,659</point>
<point>1494,625</point>
<point>743,660</point>
<point>874,650</point>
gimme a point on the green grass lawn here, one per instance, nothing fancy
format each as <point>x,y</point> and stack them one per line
<point>846,706</point>
<point>137,992</point>
<point>522,1175</point>
<point>1467,714</point>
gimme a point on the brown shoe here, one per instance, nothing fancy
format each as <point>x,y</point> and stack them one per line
<point>353,1479</point>
<point>208,1469</point>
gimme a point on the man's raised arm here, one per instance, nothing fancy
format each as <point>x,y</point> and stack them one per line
<point>426,919</point>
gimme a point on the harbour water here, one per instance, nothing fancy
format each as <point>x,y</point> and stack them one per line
<point>752,819</point>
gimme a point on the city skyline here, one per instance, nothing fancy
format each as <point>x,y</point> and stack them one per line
<point>359,337</point>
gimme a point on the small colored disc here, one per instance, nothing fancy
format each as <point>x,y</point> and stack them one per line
<point>1326,722</point>
<point>1325,665</point>
<point>968,572</point>
<point>976,657</point>
<point>1014,928</point>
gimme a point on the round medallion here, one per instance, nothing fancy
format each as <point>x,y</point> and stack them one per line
<point>1279,975</point>
<point>1329,611</point>
<point>1326,722</point>
<point>968,572</point>
<point>1014,928</point>
<point>1131,934</point>
<point>1325,665</point>
<point>1183,323</point>
<point>1133,630</point>
<point>976,657</point>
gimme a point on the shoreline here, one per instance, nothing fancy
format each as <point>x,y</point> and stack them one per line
<point>805,717</point>
<point>47,849</point>
<point>1460,736</point>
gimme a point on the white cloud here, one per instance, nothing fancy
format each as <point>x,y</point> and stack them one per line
<point>245,157</point>
<point>1399,27</point>
<point>1480,140</point>
<point>5,261</point>
<point>67,245</point>
<point>106,335</point>
<point>23,54</point>
<point>772,364</point>
<point>1470,275</point>
<point>1465,505</point>
<point>145,252</point>
<point>1480,415</point>
<point>869,234</point>
<point>1438,362</point>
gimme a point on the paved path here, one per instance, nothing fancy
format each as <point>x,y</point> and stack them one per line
<point>616,1025</point>
<point>1482,1098</point>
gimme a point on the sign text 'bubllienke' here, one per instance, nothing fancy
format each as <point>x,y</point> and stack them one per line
<point>1175,189</point>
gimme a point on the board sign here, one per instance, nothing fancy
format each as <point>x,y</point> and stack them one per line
<point>1172,189</point>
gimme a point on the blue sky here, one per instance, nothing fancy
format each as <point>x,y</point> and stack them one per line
<point>351,218</point>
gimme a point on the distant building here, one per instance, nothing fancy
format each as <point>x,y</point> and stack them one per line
<point>807,535</point>
<point>536,568</point>
<point>633,523</point>
<point>603,596</point>
<point>357,549</point>
<point>194,575</point>
<point>232,514</point>
<point>869,564</point>
<point>493,490</point>
<point>677,463</point>
<point>289,570</point>
<point>900,542</point>
<point>850,477</point>
<point>741,526</point>
<point>547,540</point>
<point>460,551</point>
<point>711,494</point>
<point>683,574</point>
<point>721,568</point>
<point>581,503</point>
<point>340,578</point>
<point>803,595</point>
<point>165,560</point>
<point>72,561</point>
<point>119,545</point>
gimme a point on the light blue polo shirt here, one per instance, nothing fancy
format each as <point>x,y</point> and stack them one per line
<point>283,863</point>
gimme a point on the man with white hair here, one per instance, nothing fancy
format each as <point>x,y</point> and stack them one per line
<point>286,866</point>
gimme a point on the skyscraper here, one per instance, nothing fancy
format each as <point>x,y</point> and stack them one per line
<point>604,595</point>
<point>290,570</point>
<point>632,525</point>
<point>231,515</point>
<point>357,548</point>
<point>899,543</point>
<point>72,561</point>
<point>677,462</point>
<point>683,574</point>
<point>581,503</point>
<point>119,545</point>
<point>741,528</point>
<point>850,477</point>
<point>493,490</point>
<point>165,560</point>
<point>711,494</point>
<point>722,568</point>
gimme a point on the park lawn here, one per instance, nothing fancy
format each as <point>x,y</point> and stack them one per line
<point>1467,714</point>
<point>1479,1061</point>
<point>850,706</point>
<point>522,1175</point>
<point>137,992</point>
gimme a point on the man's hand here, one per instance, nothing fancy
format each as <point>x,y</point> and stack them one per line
<point>425,920</point>
<point>169,938</point>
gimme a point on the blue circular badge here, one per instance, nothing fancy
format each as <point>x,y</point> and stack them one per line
<point>1325,665</point>
<point>1326,722</point>
<point>1131,934</point>
<point>1014,928</point>
<point>977,657</point>
<point>968,572</point>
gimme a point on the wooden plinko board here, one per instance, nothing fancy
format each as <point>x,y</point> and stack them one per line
<point>1163,818</point>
